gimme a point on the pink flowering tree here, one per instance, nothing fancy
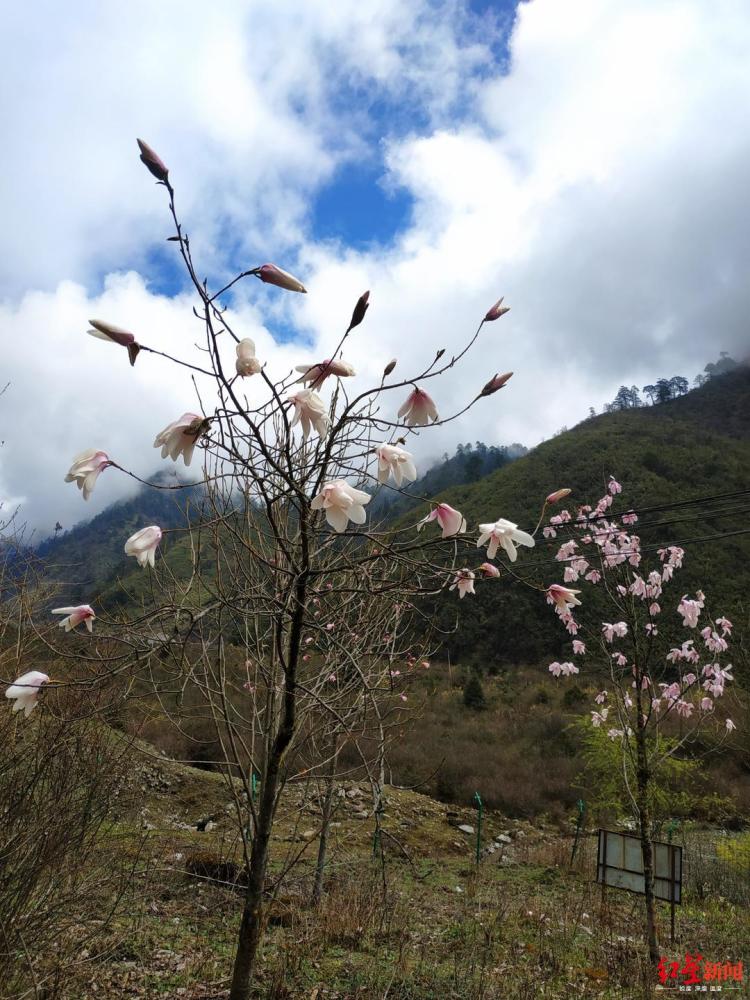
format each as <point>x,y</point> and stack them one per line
<point>665,654</point>
<point>299,622</point>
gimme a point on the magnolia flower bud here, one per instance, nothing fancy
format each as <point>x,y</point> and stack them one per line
<point>359,310</point>
<point>274,275</point>
<point>496,311</point>
<point>495,383</point>
<point>558,495</point>
<point>115,335</point>
<point>389,367</point>
<point>153,163</point>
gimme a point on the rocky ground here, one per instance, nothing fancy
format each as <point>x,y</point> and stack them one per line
<point>416,919</point>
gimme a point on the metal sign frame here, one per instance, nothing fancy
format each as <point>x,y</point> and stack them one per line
<point>620,865</point>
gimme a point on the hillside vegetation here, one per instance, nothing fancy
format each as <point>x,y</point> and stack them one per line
<point>697,446</point>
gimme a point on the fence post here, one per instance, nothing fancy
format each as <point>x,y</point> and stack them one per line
<point>480,809</point>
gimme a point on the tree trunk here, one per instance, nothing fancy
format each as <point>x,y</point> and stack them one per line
<point>251,923</point>
<point>647,848</point>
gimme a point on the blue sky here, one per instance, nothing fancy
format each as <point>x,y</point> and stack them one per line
<point>440,153</point>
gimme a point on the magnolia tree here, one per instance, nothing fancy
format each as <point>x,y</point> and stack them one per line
<point>665,656</point>
<point>299,621</point>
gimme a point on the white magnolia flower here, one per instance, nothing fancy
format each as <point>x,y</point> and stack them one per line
<point>419,408</point>
<point>342,503</point>
<point>86,468</point>
<point>463,581</point>
<point>316,374</point>
<point>143,545</point>
<point>396,462</point>
<point>25,691</point>
<point>309,410</point>
<point>180,437</point>
<point>247,363</point>
<point>504,533</point>
<point>80,613</point>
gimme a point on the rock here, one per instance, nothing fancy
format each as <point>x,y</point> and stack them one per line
<point>465,828</point>
<point>503,838</point>
<point>308,834</point>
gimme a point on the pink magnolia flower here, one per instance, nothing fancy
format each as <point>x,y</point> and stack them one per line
<point>487,569</point>
<point>451,521</point>
<point>310,411</point>
<point>725,625</point>
<point>690,610</point>
<point>180,437</point>
<point>419,409</point>
<point>25,691</point>
<point>504,533</point>
<point>86,469</point>
<point>579,648</point>
<point>601,698</point>
<point>143,545</point>
<point>464,582</point>
<point>594,576</point>
<point>558,495</point>
<point>714,642</point>
<point>620,659</point>
<point>563,598</point>
<point>496,311</point>
<point>613,486</point>
<point>80,613</point>
<point>610,631</point>
<point>246,363</point>
<point>274,275</point>
<point>707,705</point>
<point>597,718</point>
<point>729,725</point>
<point>342,503</point>
<point>651,629</point>
<point>115,335</point>
<point>567,550</point>
<point>316,374</point>
<point>567,669</point>
<point>397,462</point>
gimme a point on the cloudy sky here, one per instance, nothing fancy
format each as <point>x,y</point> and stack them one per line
<point>585,158</point>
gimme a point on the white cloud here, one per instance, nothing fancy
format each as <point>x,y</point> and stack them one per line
<point>598,181</point>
